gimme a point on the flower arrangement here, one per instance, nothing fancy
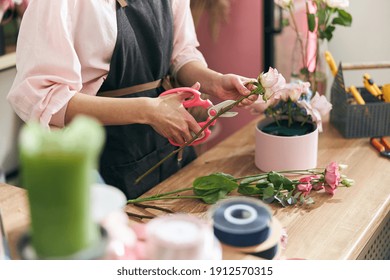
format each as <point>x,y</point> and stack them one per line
<point>269,186</point>
<point>322,18</point>
<point>294,101</point>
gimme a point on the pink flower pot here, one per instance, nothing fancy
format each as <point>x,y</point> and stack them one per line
<point>276,153</point>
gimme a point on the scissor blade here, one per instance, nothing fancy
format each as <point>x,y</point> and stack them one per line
<point>229,114</point>
<point>213,110</point>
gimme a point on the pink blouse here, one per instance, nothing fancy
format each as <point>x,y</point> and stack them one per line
<point>75,55</point>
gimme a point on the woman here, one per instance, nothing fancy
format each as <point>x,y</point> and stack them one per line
<point>105,59</point>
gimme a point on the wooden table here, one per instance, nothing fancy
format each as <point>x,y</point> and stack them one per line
<point>337,227</point>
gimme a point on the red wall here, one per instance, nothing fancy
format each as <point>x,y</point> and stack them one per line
<point>238,49</point>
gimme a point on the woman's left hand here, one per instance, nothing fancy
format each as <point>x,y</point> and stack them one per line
<point>232,86</point>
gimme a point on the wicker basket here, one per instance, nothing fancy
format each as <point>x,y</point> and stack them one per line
<point>354,120</point>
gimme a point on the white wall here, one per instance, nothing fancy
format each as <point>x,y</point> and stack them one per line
<point>367,40</point>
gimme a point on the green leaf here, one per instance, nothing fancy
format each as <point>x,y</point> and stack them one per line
<point>214,196</point>
<point>311,22</point>
<point>249,190</point>
<point>327,33</point>
<point>309,200</point>
<point>214,187</point>
<point>262,184</point>
<point>280,181</point>
<point>344,18</point>
<point>269,191</point>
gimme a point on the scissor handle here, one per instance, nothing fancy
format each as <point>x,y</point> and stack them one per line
<point>196,100</point>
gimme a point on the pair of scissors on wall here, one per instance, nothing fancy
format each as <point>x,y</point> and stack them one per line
<point>212,110</point>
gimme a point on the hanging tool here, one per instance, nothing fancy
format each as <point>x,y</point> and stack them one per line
<point>371,86</point>
<point>381,145</point>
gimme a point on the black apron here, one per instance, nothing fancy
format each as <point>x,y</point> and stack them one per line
<point>142,54</point>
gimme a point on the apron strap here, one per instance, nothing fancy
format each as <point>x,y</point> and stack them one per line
<point>123,3</point>
<point>165,83</point>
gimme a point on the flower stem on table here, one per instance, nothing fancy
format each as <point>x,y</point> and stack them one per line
<point>269,186</point>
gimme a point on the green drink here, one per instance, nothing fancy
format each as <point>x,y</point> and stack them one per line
<point>57,172</point>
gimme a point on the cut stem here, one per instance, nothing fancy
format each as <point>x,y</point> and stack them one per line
<point>157,196</point>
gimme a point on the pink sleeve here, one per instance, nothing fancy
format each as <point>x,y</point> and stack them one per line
<point>48,70</point>
<point>185,42</point>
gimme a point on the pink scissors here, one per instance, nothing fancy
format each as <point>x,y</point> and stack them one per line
<point>212,110</point>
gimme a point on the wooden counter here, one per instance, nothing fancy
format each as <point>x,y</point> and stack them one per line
<point>337,227</point>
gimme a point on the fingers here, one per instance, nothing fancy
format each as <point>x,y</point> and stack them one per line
<point>183,137</point>
<point>245,87</point>
<point>196,86</point>
<point>187,133</point>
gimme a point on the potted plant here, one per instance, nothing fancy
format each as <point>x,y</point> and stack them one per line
<point>290,130</point>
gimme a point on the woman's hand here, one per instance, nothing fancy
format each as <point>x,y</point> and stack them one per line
<point>171,120</point>
<point>223,86</point>
<point>231,86</point>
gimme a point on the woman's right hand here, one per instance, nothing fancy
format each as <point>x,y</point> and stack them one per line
<point>170,118</point>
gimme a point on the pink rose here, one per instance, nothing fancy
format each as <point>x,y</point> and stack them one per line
<point>273,83</point>
<point>293,91</point>
<point>321,104</point>
<point>330,190</point>
<point>306,185</point>
<point>332,178</point>
<point>318,108</point>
